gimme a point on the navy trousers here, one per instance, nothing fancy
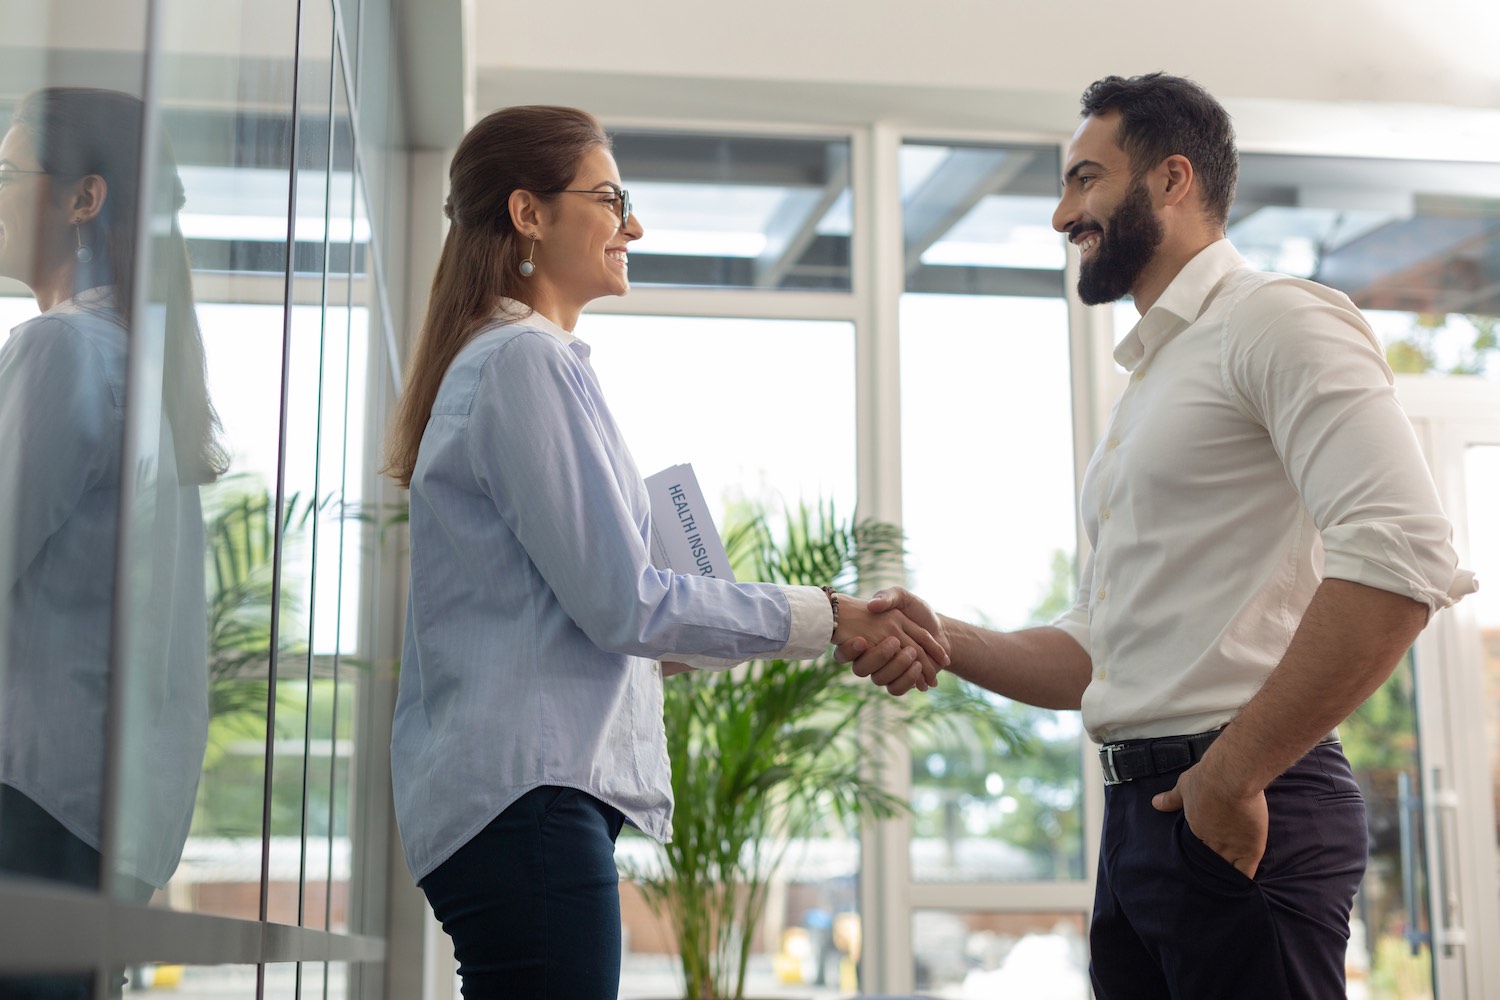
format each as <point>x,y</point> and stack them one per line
<point>35,845</point>
<point>1174,920</point>
<point>532,902</point>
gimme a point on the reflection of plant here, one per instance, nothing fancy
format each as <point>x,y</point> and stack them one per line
<point>773,752</point>
<point>240,550</point>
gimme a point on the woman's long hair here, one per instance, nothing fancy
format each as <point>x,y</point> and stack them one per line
<point>78,131</point>
<point>535,148</point>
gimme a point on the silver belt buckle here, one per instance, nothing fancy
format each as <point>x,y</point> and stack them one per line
<point>1107,762</point>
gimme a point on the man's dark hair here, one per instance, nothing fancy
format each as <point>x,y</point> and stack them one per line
<point>1163,115</point>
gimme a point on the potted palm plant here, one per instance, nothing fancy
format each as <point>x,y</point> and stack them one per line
<point>777,751</point>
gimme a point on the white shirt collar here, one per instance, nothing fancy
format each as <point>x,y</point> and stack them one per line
<point>515,311</point>
<point>1181,303</point>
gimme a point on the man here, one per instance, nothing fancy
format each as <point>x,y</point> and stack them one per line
<point>1267,542</point>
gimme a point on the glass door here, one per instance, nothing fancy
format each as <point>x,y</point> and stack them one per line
<point>1447,818</point>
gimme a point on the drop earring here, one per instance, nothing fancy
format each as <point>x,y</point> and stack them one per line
<point>528,266</point>
<point>83,253</point>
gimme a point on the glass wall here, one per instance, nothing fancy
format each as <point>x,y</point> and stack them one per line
<point>192,532</point>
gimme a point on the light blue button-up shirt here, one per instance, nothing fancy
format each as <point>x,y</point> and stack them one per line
<point>62,430</point>
<point>535,618</point>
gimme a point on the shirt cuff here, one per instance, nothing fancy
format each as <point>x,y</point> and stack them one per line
<point>812,623</point>
<point>1381,555</point>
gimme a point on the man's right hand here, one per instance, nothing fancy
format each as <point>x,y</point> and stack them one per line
<point>888,663</point>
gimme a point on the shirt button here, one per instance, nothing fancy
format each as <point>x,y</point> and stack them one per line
<point>1104,514</point>
<point>1099,674</point>
<point>1101,594</point>
<point>1140,373</point>
<point>1114,443</point>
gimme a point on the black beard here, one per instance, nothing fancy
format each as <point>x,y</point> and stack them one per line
<point>1127,244</point>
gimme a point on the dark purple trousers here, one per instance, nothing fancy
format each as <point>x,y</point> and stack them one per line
<point>532,902</point>
<point>1174,920</point>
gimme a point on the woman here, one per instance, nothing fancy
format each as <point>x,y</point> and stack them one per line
<point>528,725</point>
<point>69,220</point>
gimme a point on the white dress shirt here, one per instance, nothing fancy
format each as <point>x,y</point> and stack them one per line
<point>535,617</point>
<point>1258,448</point>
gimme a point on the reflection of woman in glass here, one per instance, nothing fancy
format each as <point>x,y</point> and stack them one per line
<point>528,726</point>
<point>69,221</point>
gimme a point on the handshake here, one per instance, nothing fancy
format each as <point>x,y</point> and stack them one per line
<point>893,638</point>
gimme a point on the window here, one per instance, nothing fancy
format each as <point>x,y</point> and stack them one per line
<point>738,212</point>
<point>987,490</point>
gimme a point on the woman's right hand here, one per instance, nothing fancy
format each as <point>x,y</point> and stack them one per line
<point>913,654</point>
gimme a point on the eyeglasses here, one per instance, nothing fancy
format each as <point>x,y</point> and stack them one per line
<point>9,174</point>
<point>620,197</point>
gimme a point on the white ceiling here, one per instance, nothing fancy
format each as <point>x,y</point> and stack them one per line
<point>1362,77</point>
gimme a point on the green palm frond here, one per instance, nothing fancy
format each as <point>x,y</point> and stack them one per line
<point>240,535</point>
<point>776,751</point>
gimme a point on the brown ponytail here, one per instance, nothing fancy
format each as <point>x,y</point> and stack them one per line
<point>78,131</point>
<point>535,148</point>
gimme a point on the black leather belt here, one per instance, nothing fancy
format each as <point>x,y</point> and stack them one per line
<point>1134,759</point>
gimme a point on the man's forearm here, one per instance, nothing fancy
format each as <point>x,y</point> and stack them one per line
<point>1349,641</point>
<point>1039,666</point>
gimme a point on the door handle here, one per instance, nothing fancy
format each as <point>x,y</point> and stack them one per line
<point>1408,815</point>
<point>1449,933</point>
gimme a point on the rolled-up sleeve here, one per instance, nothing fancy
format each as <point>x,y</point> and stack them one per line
<point>1309,369</point>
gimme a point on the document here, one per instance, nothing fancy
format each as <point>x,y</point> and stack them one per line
<point>683,536</point>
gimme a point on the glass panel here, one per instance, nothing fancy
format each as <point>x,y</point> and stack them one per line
<point>69,210</point>
<point>807,943</point>
<point>773,460</point>
<point>361,746</point>
<point>977,220</point>
<point>302,499</point>
<point>1040,956</point>
<point>1482,474</point>
<point>738,212</point>
<point>322,756</point>
<point>379,110</point>
<point>284,981</point>
<point>991,354</point>
<point>1415,244</point>
<point>1390,946</point>
<point>226,80</point>
<point>982,813</point>
<point>195,982</point>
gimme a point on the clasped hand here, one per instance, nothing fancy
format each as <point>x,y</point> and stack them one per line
<point>893,638</point>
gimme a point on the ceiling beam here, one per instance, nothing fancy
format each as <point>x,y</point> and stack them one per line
<point>951,191</point>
